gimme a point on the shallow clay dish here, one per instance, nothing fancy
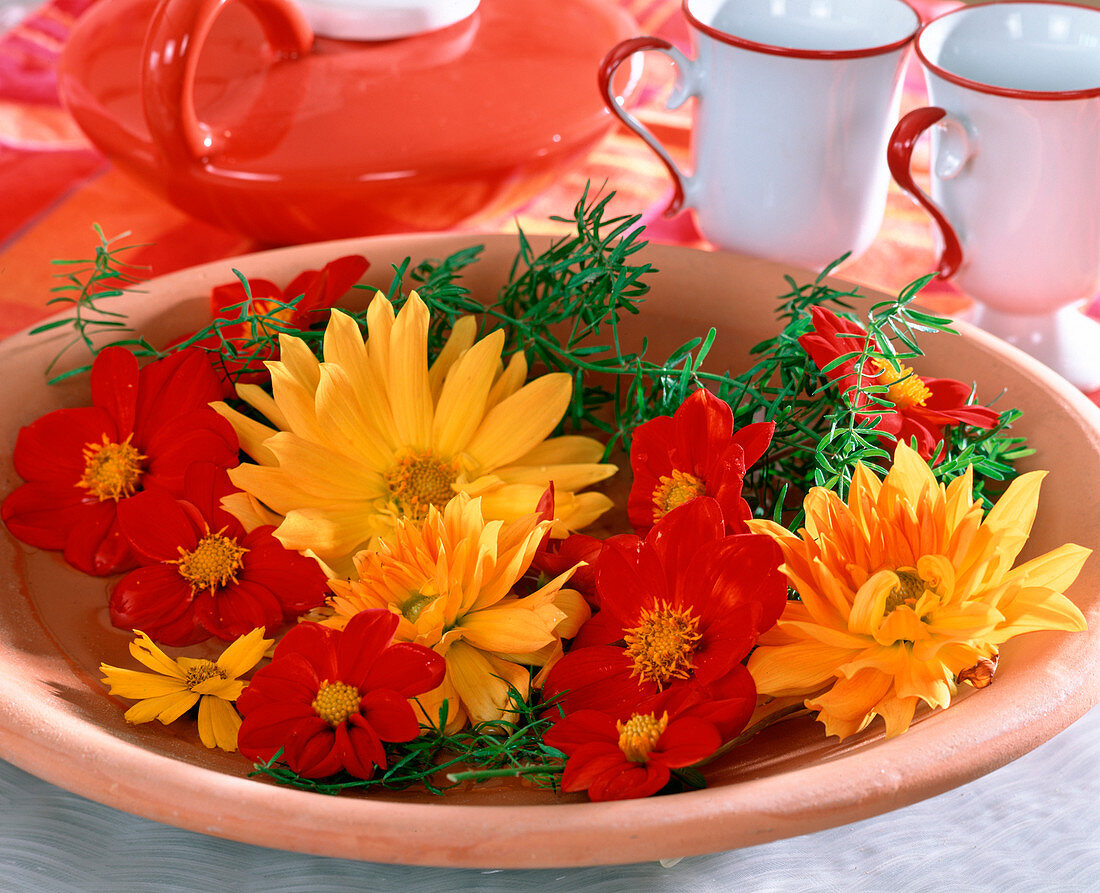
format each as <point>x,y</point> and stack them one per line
<point>57,721</point>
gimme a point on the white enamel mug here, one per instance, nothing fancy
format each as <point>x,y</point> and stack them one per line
<point>1015,170</point>
<point>795,102</point>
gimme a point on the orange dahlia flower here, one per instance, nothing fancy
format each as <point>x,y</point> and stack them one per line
<point>452,580</point>
<point>903,589</point>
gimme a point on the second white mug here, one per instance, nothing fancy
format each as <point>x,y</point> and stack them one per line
<point>795,103</point>
<point>1014,89</point>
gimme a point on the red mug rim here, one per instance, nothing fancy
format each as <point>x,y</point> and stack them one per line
<point>993,89</point>
<point>796,53</point>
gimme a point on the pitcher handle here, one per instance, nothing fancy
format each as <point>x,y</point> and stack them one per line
<point>899,154</point>
<point>173,44</point>
<point>685,88</point>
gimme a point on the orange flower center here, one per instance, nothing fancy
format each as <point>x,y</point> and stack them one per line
<point>662,645</point>
<point>336,701</point>
<point>672,492</point>
<point>640,734</point>
<point>213,563</point>
<point>910,587</point>
<point>111,470</point>
<point>904,387</point>
<point>419,481</point>
<point>200,672</point>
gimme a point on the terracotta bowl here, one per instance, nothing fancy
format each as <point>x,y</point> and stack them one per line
<point>57,721</point>
<point>235,113</point>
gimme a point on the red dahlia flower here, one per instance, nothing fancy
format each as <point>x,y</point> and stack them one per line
<point>618,759</point>
<point>330,698</point>
<point>679,611</point>
<point>922,407</point>
<point>143,429</point>
<point>320,290</point>
<point>202,574</point>
<point>694,452</point>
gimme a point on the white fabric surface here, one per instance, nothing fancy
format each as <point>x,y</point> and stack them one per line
<point>1033,825</point>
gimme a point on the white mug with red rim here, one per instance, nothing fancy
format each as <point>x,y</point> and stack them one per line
<point>1015,170</point>
<point>795,103</point>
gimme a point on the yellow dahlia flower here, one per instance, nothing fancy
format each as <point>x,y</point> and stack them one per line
<point>451,580</point>
<point>903,589</point>
<point>373,435</point>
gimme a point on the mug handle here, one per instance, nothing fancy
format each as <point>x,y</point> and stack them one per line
<point>170,57</point>
<point>685,88</point>
<point>899,154</point>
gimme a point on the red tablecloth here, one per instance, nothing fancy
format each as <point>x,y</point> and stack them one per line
<point>54,185</point>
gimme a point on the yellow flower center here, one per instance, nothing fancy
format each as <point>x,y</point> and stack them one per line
<point>640,734</point>
<point>214,562</point>
<point>662,645</point>
<point>336,701</point>
<point>203,670</point>
<point>672,492</point>
<point>910,587</point>
<point>904,387</point>
<point>418,481</point>
<point>111,470</point>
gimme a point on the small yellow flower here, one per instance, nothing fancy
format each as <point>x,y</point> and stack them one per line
<point>905,591</point>
<point>175,686</point>
<point>451,579</point>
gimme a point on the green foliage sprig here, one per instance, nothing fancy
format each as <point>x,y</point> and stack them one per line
<point>439,761</point>
<point>821,434</point>
<point>105,275</point>
<point>562,307</point>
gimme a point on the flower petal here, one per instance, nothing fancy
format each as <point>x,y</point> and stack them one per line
<point>508,628</point>
<point>407,669</point>
<point>461,404</point>
<point>482,681</point>
<point>167,708</point>
<point>114,381</point>
<point>51,448</point>
<point>389,715</point>
<point>518,424</point>
<point>44,513</point>
<point>157,526</point>
<point>795,669</point>
<point>362,643</point>
<point>135,684</point>
<point>218,723</point>
<point>408,385</point>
